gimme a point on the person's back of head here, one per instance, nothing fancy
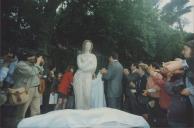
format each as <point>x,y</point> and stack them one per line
<point>114,55</point>
<point>70,68</point>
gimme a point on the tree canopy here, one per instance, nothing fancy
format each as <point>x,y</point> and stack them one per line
<point>137,29</point>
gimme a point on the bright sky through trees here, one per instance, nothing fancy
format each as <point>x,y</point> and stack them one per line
<point>189,17</point>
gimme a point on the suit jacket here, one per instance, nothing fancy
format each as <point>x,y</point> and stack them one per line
<point>27,74</point>
<point>141,84</point>
<point>130,78</point>
<point>114,78</point>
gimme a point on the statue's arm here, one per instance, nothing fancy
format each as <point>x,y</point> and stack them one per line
<point>89,65</point>
<point>81,64</point>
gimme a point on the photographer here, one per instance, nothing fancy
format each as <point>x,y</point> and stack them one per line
<point>26,75</point>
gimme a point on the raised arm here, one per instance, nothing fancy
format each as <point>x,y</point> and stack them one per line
<point>81,64</point>
<point>27,70</point>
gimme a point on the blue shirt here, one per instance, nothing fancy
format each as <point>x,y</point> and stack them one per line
<point>12,67</point>
<point>3,73</point>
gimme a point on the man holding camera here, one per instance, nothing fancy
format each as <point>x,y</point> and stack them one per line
<point>26,75</point>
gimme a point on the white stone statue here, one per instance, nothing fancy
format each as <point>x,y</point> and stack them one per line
<point>82,82</point>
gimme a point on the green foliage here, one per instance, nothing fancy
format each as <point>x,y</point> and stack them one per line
<point>134,28</point>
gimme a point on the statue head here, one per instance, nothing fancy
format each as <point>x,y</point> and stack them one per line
<point>87,46</point>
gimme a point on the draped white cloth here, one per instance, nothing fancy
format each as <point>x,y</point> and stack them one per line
<point>93,118</point>
<point>87,64</point>
<point>97,93</point>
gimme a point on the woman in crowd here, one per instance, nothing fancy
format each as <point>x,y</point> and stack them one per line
<point>140,87</point>
<point>158,91</point>
<point>64,87</point>
<point>152,87</point>
<point>153,93</point>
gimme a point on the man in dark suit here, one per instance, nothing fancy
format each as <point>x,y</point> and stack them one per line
<point>130,78</point>
<point>114,76</point>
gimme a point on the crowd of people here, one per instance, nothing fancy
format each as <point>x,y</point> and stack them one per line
<point>161,93</point>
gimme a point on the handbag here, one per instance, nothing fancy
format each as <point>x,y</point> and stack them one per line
<point>18,96</point>
<point>53,98</point>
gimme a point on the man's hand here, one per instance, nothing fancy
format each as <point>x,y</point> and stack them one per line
<point>103,71</point>
<point>185,92</point>
<point>145,93</point>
